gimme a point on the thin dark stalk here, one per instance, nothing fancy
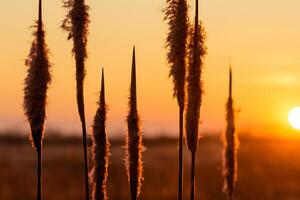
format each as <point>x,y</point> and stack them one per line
<point>39,172</point>
<point>86,168</point>
<point>76,24</point>
<point>193,168</point>
<point>176,15</point>
<point>196,53</point>
<point>80,101</point>
<point>180,153</point>
<point>81,110</point>
<point>39,147</point>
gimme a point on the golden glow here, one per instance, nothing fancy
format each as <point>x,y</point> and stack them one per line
<point>294,118</point>
<point>264,49</point>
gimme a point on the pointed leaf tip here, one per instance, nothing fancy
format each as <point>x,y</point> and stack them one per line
<point>102,78</point>
<point>197,12</point>
<point>133,55</point>
<point>102,74</point>
<point>133,81</point>
<point>102,95</point>
<point>40,12</point>
<point>133,74</point>
<point>230,82</point>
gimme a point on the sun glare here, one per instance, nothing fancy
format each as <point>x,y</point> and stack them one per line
<point>294,118</point>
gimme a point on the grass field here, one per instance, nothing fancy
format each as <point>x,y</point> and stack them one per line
<point>268,169</point>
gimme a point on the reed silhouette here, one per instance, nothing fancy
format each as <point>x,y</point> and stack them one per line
<point>230,146</point>
<point>100,151</point>
<point>133,160</point>
<point>176,15</point>
<point>196,54</point>
<point>35,92</point>
<point>76,24</point>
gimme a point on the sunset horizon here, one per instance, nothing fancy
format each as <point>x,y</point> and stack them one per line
<point>260,74</point>
<point>151,99</point>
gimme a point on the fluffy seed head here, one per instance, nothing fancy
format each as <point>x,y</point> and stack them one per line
<point>133,160</point>
<point>177,19</point>
<point>37,82</point>
<point>230,142</point>
<point>100,149</point>
<point>76,24</point>
<point>196,54</point>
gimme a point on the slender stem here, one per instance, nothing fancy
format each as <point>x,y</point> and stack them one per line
<point>40,13</point>
<point>81,110</point>
<point>39,172</point>
<point>193,177</point>
<point>84,141</point>
<point>133,194</point>
<point>180,165</point>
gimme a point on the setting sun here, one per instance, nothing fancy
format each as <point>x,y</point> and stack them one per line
<point>128,100</point>
<point>294,118</point>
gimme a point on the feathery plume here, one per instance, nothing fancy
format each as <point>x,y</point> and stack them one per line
<point>134,144</point>
<point>35,91</point>
<point>196,54</point>
<point>76,24</point>
<point>177,19</point>
<point>230,147</point>
<point>100,149</point>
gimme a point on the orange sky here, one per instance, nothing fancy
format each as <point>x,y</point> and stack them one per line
<point>262,38</point>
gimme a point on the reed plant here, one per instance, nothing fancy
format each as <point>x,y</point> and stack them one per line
<point>100,150</point>
<point>133,160</point>
<point>196,54</point>
<point>230,142</point>
<point>176,15</point>
<point>76,24</point>
<point>35,92</point>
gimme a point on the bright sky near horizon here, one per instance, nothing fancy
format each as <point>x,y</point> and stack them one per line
<point>261,37</point>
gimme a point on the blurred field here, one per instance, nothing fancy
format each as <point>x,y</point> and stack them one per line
<point>268,169</point>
